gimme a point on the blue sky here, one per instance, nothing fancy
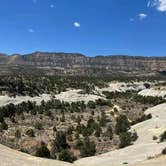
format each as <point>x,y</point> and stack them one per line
<point>91,27</point>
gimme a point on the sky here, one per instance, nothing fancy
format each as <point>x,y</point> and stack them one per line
<point>90,27</point>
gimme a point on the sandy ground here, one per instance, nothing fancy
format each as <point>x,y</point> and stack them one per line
<point>122,86</point>
<point>160,161</point>
<point>74,96</point>
<point>142,149</point>
<point>68,96</point>
<point>4,100</point>
<point>153,92</point>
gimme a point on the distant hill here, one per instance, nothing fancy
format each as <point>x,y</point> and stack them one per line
<point>74,63</point>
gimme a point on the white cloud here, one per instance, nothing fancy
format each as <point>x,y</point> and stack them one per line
<point>159,4</point>
<point>142,16</point>
<point>31,30</point>
<point>52,6</point>
<point>77,24</point>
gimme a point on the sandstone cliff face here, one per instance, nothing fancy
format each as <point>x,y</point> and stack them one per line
<point>79,61</point>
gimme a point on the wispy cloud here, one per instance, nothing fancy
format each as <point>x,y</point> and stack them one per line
<point>160,5</point>
<point>142,16</point>
<point>31,30</point>
<point>77,24</point>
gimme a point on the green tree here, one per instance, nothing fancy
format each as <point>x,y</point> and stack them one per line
<point>61,141</point>
<point>122,124</point>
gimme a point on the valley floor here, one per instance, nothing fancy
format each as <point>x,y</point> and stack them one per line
<point>144,148</point>
<point>137,154</point>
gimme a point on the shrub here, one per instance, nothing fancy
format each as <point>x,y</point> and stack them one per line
<point>78,144</point>
<point>109,132</point>
<point>65,155</point>
<point>48,113</point>
<point>103,120</point>
<point>54,129</point>
<point>98,130</point>
<point>147,86</point>
<point>125,139</point>
<point>164,151</point>
<point>30,133</point>
<point>88,149</point>
<point>43,151</point>
<point>18,134</point>
<point>163,137</point>
<point>155,137</point>
<point>60,141</point>
<point>1,117</point>
<point>38,126</point>
<point>3,126</point>
<point>91,104</point>
<point>63,119</point>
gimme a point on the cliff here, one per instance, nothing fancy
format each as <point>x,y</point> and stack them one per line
<point>71,63</point>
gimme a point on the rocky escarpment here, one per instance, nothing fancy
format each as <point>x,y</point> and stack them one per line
<point>74,63</point>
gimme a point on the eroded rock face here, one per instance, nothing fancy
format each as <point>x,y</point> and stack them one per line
<point>72,63</point>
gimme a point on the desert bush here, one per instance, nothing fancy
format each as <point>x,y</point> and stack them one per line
<point>163,137</point>
<point>30,133</point>
<point>18,134</point>
<point>43,151</point>
<point>164,151</point>
<point>91,104</point>
<point>125,139</point>
<point>66,155</point>
<point>38,126</point>
<point>88,148</point>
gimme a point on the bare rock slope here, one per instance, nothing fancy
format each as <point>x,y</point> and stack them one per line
<point>9,157</point>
